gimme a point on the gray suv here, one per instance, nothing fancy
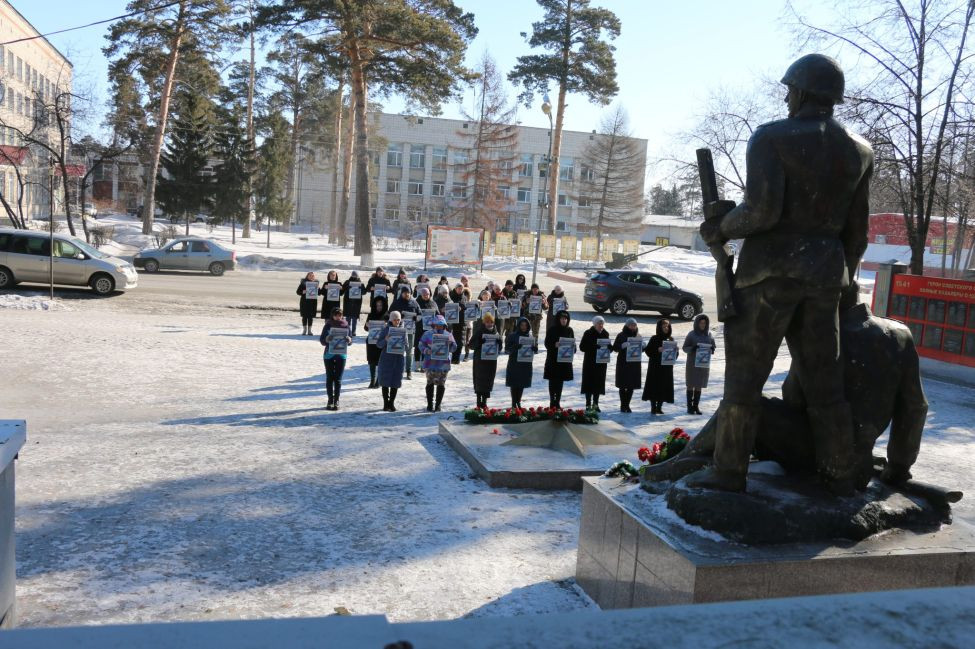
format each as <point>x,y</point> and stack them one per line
<point>187,253</point>
<point>619,291</point>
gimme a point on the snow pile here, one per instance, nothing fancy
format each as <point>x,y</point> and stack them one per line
<point>32,303</point>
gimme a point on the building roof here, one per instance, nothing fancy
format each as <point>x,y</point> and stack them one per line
<point>669,220</point>
<point>37,33</point>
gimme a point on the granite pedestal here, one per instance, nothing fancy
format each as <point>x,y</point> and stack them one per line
<point>635,552</point>
<point>524,467</point>
<point>13,433</point>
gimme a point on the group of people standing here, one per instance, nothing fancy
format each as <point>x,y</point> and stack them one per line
<point>410,327</point>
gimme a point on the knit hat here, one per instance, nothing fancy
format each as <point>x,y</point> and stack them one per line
<point>438,320</point>
<point>599,320</point>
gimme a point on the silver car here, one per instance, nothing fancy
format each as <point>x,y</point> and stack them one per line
<point>187,253</point>
<point>25,256</point>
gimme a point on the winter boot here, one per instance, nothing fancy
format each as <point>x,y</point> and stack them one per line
<point>595,403</point>
<point>588,401</point>
<point>440,390</point>
<point>392,399</point>
<point>833,440</point>
<point>429,397</point>
<point>697,401</point>
<point>385,399</point>
<point>338,390</point>
<point>372,377</point>
<point>467,354</point>
<point>690,402</point>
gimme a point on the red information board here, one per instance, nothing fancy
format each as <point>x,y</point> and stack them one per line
<point>940,313</point>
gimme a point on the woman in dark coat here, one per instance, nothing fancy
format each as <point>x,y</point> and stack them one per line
<point>593,373</point>
<point>659,387</point>
<point>520,284</point>
<point>307,306</point>
<point>390,365</point>
<point>353,307</point>
<point>331,278</point>
<point>404,303</point>
<point>557,373</point>
<point>378,277</point>
<point>459,296</point>
<point>425,302</point>
<point>696,377</point>
<point>484,370</point>
<point>556,294</point>
<point>518,374</point>
<point>400,280</point>
<point>628,373</point>
<point>376,318</point>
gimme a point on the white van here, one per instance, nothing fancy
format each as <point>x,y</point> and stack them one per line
<point>25,256</point>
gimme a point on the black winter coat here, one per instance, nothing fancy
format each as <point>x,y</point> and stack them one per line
<point>554,369</point>
<point>306,306</point>
<point>484,371</point>
<point>352,308</point>
<point>593,373</point>
<point>552,311</point>
<point>375,318</point>
<point>518,374</point>
<point>629,374</point>
<point>326,305</point>
<point>660,378</point>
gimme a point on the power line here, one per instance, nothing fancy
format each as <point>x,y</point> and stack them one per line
<point>99,22</point>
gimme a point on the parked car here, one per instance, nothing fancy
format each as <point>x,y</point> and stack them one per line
<point>187,253</point>
<point>26,257</point>
<point>90,210</point>
<point>619,291</point>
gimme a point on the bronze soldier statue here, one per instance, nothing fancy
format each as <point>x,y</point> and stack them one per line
<point>804,224</point>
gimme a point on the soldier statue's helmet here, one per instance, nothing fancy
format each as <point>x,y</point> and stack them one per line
<point>817,74</point>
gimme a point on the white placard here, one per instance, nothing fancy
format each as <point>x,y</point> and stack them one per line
<point>311,290</point>
<point>355,290</point>
<point>669,354</point>
<point>702,356</point>
<point>472,311</point>
<point>379,290</point>
<point>427,316</point>
<point>526,349</point>
<point>373,337</point>
<point>565,350</point>
<point>487,307</point>
<point>409,321</point>
<point>423,285</point>
<point>396,341</point>
<point>603,350</point>
<point>535,305</point>
<point>333,292</point>
<point>514,308</point>
<point>558,304</point>
<point>440,347</point>
<point>338,341</point>
<point>451,312</point>
<point>634,350</point>
<point>490,344</point>
<point>504,309</point>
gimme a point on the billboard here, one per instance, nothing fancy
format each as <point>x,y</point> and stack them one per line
<point>546,246</point>
<point>460,246</point>
<point>567,250</point>
<point>631,246</point>
<point>487,243</point>
<point>609,247</point>
<point>589,247</point>
<point>526,244</point>
<point>502,244</point>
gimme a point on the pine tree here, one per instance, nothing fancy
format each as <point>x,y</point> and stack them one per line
<point>577,61</point>
<point>150,44</point>
<point>618,162</point>
<point>185,187</point>
<point>414,48</point>
<point>272,171</point>
<point>492,137</point>
<point>232,175</point>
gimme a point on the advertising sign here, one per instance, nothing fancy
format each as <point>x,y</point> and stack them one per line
<point>546,246</point>
<point>502,244</point>
<point>589,247</point>
<point>609,247</point>
<point>526,349</point>
<point>634,350</point>
<point>311,290</point>
<point>669,354</point>
<point>456,246</point>
<point>526,244</point>
<point>603,350</point>
<point>567,247</point>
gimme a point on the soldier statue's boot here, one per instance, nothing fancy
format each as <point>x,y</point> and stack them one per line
<point>836,463</point>
<point>737,429</point>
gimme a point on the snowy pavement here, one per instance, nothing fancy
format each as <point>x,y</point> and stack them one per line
<point>180,465</point>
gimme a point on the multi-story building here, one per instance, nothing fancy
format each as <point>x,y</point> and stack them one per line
<point>32,73</point>
<point>417,162</point>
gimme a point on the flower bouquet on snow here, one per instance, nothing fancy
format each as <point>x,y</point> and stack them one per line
<point>483,415</point>
<point>656,453</point>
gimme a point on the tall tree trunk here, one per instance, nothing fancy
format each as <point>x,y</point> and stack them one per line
<point>477,156</point>
<point>363,224</point>
<point>149,200</point>
<point>291,184</point>
<point>333,219</point>
<point>554,167</point>
<point>246,232</point>
<point>602,200</point>
<point>342,227</point>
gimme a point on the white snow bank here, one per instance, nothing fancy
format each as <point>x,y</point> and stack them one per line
<point>32,303</point>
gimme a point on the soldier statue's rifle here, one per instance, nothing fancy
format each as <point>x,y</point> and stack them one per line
<point>724,275</point>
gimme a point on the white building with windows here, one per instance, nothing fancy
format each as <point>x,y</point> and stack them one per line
<point>32,72</point>
<point>413,167</point>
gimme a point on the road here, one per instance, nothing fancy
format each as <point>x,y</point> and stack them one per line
<point>276,290</point>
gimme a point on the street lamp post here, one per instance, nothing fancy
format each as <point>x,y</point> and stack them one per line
<point>547,109</point>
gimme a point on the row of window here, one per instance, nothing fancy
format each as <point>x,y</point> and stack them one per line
<point>16,68</point>
<point>526,168</point>
<point>459,190</point>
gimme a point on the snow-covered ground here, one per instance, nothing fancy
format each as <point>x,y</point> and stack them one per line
<point>181,466</point>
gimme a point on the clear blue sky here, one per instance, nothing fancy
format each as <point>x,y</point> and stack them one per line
<point>669,54</point>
